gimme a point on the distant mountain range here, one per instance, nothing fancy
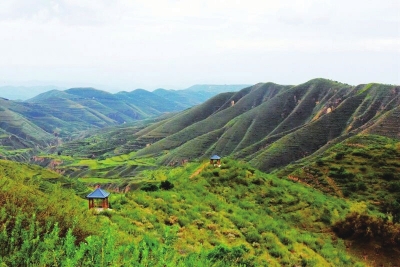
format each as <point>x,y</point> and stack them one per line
<point>41,120</point>
<point>267,124</point>
<point>25,92</point>
<point>272,125</point>
<point>202,91</point>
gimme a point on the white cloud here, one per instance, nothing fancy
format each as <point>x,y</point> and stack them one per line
<point>148,42</point>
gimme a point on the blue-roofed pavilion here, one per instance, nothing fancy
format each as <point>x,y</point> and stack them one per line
<point>215,159</point>
<point>95,196</point>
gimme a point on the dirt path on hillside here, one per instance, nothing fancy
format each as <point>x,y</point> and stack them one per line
<point>198,170</point>
<point>332,183</point>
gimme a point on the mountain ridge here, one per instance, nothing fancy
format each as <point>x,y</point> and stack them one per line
<point>319,108</point>
<point>62,114</point>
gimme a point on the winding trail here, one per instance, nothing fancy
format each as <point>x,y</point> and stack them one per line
<point>332,183</point>
<point>199,170</point>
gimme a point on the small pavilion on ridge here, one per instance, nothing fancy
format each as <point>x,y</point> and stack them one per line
<point>98,199</point>
<point>215,159</point>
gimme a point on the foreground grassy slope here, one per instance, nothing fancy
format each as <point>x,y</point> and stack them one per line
<point>204,215</point>
<point>277,222</point>
<point>363,168</point>
<point>50,226</point>
<point>206,225</point>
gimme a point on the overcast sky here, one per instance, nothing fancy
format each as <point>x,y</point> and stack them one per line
<point>127,44</point>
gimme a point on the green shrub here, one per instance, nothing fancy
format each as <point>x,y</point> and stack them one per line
<point>361,153</point>
<point>362,227</point>
<point>106,213</point>
<point>253,236</point>
<point>276,252</point>
<point>149,187</point>
<point>166,185</point>
<point>394,186</point>
<point>326,216</point>
<point>388,176</point>
<point>339,156</point>
<point>363,169</point>
<point>235,254</point>
<point>361,186</point>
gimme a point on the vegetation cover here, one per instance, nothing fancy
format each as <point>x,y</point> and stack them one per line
<point>328,194</point>
<point>195,214</point>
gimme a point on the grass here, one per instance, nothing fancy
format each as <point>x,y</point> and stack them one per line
<point>235,212</point>
<point>214,213</point>
<point>275,220</point>
<point>361,168</point>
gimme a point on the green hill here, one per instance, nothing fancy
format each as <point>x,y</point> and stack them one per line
<point>20,138</point>
<point>55,116</point>
<point>320,185</point>
<point>268,125</point>
<point>40,225</point>
<point>363,168</point>
<point>150,103</point>
<point>272,125</point>
<point>196,214</point>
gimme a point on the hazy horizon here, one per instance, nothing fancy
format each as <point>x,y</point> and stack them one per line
<point>125,45</point>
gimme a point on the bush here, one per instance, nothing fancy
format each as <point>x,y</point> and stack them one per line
<point>363,169</point>
<point>253,236</point>
<point>341,173</point>
<point>362,227</point>
<point>388,176</point>
<point>339,156</point>
<point>394,186</point>
<point>362,154</point>
<point>235,254</point>
<point>148,187</point>
<point>275,252</point>
<point>106,213</point>
<point>166,185</point>
<point>346,192</point>
<point>326,216</point>
<point>361,186</point>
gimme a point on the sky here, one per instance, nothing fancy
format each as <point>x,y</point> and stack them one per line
<point>128,44</point>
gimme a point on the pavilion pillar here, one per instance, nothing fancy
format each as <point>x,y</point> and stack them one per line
<point>91,203</point>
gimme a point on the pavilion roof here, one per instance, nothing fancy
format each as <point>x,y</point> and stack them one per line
<point>98,193</point>
<point>215,157</point>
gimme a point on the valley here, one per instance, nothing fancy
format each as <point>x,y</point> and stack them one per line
<point>310,176</point>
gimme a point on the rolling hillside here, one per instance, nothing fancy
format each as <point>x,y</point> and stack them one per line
<point>267,124</point>
<point>272,125</point>
<point>86,108</point>
<point>20,138</point>
<point>232,216</point>
<point>55,116</point>
<point>24,92</point>
<point>362,167</point>
<point>309,177</point>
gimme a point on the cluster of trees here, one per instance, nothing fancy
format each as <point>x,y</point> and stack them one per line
<point>151,187</point>
<point>363,227</point>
